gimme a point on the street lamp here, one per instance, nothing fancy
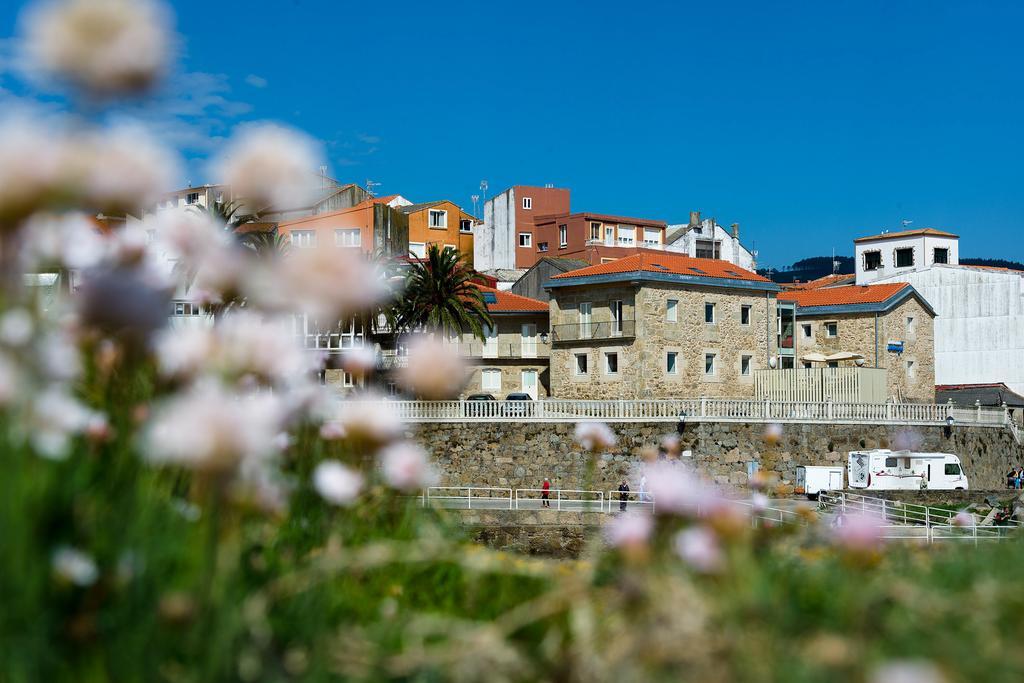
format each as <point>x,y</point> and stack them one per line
<point>681,424</point>
<point>948,429</point>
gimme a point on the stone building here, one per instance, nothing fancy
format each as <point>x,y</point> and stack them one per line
<point>514,355</point>
<point>660,325</point>
<point>889,326</point>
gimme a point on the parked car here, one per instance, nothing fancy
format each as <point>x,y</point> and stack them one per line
<point>476,405</point>
<point>518,404</point>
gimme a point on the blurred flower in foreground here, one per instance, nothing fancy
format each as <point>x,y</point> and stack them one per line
<point>859,532</point>
<point>10,380</point>
<point>336,483</point>
<point>773,432</point>
<point>33,168</point>
<point>406,468</point>
<point>69,240</point>
<point>907,440</point>
<point>907,671</point>
<point>74,566</point>
<point>435,370</point>
<point>699,548</point>
<point>16,327</point>
<point>124,303</point>
<point>56,417</point>
<point>359,361</point>
<point>963,519</point>
<point>594,436</point>
<point>211,429</point>
<point>125,169</point>
<point>675,490</point>
<point>630,530</point>
<point>270,166</point>
<point>105,46</point>
<point>367,424</point>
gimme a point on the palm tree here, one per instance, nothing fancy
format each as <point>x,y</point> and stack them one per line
<point>442,294</point>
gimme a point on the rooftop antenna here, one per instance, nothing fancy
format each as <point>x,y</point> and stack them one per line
<point>369,187</point>
<point>483,188</point>
<point>475,199</point>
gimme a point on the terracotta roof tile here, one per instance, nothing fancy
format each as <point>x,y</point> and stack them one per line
<point>507,302</point>
<point>843,296</point>
<point>826,281</point>
<point>664,262</point>
<point>929,232</point>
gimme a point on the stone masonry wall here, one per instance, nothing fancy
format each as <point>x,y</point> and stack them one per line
<point>520,455</point>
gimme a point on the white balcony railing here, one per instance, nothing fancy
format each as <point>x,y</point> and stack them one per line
<point>697,410</point>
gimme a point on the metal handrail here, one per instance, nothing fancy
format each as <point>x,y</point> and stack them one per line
<point>559,498</point>
<point>469,494</point>
<point>909,513</point>
<point>633,498</point>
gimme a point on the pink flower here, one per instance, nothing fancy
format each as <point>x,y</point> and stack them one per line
<point>406,468</point>
<point>271,166</point>
<point>629,530</point>
<point>773,432</point>
<point>908,671</point>
<point>336,483</point>
<point>963,518</point>
<point>859,531</point>
<point>675,490</point>
<point>594,436</point>
<point>435,370</point>
<point>369,424</point>
<point>699,548</point>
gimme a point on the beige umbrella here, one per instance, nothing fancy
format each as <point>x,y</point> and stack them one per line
<point>844,355</point>
<point>814,358</point>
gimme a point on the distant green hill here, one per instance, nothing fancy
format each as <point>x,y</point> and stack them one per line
<point>994,262</point>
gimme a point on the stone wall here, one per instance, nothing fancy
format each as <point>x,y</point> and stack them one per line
<point>520,455</point>
<point>540,532</point>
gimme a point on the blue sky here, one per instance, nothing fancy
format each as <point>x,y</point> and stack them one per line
<point>807,123</point>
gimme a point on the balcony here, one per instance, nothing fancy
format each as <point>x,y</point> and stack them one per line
<point>576,332</point>
<point>515,350</point>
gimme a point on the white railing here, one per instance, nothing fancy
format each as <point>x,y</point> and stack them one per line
<point>697,410</point>
<point>575,500</point>
<point>898,511</point>
<point>846,385</point>
<point>635,500</point>
<point>455,496</point>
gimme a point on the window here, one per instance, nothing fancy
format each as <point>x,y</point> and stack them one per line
<point>627,235</point>
<point>418,249</point>
<point>910,369</point>
<point>652,236</point>
<point>872,260</point>
<point>940,255</point>
<point>616,307</point>
<point>745,365</point>
<point>611,363</point>
<point>563,235</point>
<point>585,310</point>
<point>183,308</point>
<point>490,379</point>
<point>348,380</point>
<point>303,238</point>
<point>525,239</point>
<point>709,249</point>
<point>951,469</point>
<point>807,365</point>
<point>671,310</point>
<point>595,231</point>
<point>581,363</point>
<point>528,345</point>
<point>709,363</point>
<point>671,362</point>
<point>192,198</point>
<point>542,246</point>
<point>745,315</point>
<point>527,203</point>
<point>807,330</point>
<point>437,218</point>
<point>609,236</point>
<point>831,329</point>
<point>465,225</point>
<point>833,364</point>
<point>348,237</point>
<point>891,462</point>
<point>709,313</point>
<point>904,257</point>
<point>910,324</point>
<point>490,349</point>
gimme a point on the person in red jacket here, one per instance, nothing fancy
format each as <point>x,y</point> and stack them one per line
<point>545,490</point>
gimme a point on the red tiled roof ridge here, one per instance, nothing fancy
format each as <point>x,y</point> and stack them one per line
<point>669,263</point>
<point>840,296</point>
<point>507,301</point>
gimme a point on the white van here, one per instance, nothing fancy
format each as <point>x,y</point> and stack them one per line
<point>812,480</point>
<point>889,470</point>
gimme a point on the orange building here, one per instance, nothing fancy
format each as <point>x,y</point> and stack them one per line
<point>442,223</point>
<point>371,226</point>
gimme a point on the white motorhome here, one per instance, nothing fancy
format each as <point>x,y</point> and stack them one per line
<point>812,480</point>
<point>885,469</point>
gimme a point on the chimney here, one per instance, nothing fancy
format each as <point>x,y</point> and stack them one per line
<point>694,219</point>
<point>735,231</point>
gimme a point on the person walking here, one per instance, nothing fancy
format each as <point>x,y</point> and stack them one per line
<point>1010,476</point>
<point>623,495</point>
<point>545,492</point>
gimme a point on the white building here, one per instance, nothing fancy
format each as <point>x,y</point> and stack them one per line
<point>979,331</point>
<point>707,239</point>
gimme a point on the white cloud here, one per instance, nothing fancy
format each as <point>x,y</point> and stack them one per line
<point>256,81</point>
